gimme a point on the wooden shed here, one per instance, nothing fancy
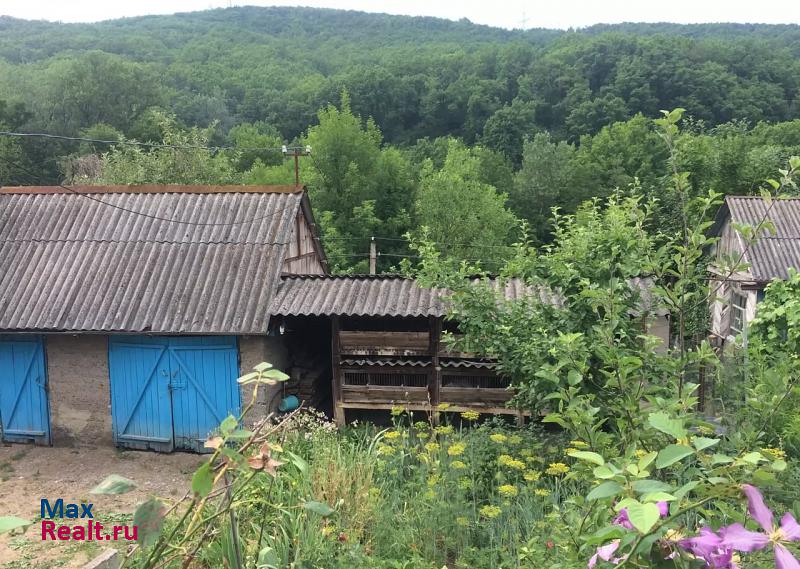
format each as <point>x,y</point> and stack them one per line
<point>127,313</point>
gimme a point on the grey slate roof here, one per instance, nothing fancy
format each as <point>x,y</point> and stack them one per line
<point>373,295</point>
<point>772,254</point>
<point>167,259</point>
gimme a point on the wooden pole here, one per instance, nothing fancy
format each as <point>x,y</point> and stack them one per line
<point>338,404</point>
<point>373,256</point>
<point>435,375</point>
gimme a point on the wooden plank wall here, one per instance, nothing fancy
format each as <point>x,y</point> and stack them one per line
<point>302,257</point>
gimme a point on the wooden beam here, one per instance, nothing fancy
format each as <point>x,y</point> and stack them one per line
<point>435,373</point>
<point>338,409</point>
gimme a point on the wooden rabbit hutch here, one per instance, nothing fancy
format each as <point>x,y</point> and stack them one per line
<point>387,349</point>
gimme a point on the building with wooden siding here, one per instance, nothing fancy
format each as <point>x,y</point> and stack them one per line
<point>769,257</point>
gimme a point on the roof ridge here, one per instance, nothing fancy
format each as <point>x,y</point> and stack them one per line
<point>153,189</point>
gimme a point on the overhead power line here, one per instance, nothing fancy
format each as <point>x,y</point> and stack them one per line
<point>91,197</point>
<point>143,144</point>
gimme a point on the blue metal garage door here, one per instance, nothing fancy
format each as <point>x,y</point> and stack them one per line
<point>24,413</point>
<point>171,392</point>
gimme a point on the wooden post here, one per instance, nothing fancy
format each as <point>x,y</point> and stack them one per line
<point>338,408</point>
<point>435,374</point>
<point>373,257</point>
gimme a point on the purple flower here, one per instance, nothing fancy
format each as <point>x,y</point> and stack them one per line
<point>622,516</point>
<point>708,546</point>
<point>741,539</point>
<point>606,553</point>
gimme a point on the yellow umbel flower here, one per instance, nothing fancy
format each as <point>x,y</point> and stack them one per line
<point>464,483</point>
<point>397,411</point>
<point>392,435</point>
<point>431,447</point>
<point>444,430</point>
<point>458,465</point>
<point>639,453</point>
<point>443,406</point>
<point>462,521</point>
<point>421,425</point>
<point>490,511</point>
<point>434,479</point>
<point>578,444</point>
<point>422,436</point>
<point>386,450</point>
<point>569,450</point>
<point>498,438</point>
<point>470,415</point>
<point>456,449</point>
<point>504,459</point>
<point>508,490</point>
<point>557,469</point>
<point>531,475</point>
<point>774,453</point>
<point>515,439</point>
<point>526,453</point>
<point>541,492</point>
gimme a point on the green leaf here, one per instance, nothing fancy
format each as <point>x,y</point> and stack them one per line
<point>276,375</point>
<point>604,490</point>
<point>114,484</point>
<point>647,459</point>
<point>605,534</point>
<point>681,492</point>
<point>672,454</point>
<point>662,422</point>
<point>779,465</point>
<point>721,459</point>
<point>702,443</point>
<point>753,457</point>
<point>240,434</point>
<point>228,425</point>
<point>262,367</point>
<point>10,523</point>
<point>298,461</point>
<point>603,472</point>
<point>268,559</point>
<point>643,516</point>
<point>319,508</point>
<point>588,456</point>
<point>148,518</point>
<point>658,497</point>
<point>647,486</point>
<point>203,480</point>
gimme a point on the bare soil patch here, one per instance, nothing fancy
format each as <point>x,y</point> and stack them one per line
<point>28,474</point>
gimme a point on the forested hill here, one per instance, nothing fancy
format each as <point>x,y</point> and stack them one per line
<point>416,77</point>
<point>419,126</point>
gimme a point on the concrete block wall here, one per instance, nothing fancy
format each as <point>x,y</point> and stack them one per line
<point>252,351</point>
<point>80,396</point>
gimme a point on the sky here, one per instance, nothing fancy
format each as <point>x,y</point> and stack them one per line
<point>505,13</point>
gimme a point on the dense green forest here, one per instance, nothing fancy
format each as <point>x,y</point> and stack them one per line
<point>414,122</point>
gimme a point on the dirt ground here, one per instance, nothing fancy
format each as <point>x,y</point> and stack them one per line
<point>28,474</point>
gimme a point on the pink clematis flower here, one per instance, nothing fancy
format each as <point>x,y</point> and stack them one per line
<point>606,553</point>
<point>741,539</point>
<point>708,547</point>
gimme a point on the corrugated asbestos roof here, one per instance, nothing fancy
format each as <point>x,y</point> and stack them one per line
<point>772,254</point>
<point>373,295</point>
<point>179,260</point>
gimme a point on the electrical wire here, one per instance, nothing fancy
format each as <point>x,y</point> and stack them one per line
<point>137,143</point>
<point>155,217</point>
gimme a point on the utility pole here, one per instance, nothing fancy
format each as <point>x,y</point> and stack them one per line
<point>373,256</point>
<point>297,152</point>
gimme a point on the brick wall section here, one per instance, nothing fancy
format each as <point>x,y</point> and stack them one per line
<point>80,397</point>
<point>252,351</point>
